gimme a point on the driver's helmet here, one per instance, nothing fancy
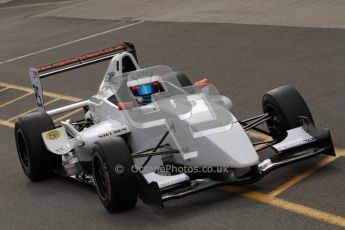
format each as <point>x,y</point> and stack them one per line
<point>142,83</point>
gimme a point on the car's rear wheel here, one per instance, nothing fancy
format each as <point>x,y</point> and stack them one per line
<point>112,168</point>
<point>35,159</point>
<point>285,106</point>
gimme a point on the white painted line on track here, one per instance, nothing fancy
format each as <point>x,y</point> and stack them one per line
<point>71,42</point>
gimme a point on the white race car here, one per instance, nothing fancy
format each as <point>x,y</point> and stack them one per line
<point>151,133</point>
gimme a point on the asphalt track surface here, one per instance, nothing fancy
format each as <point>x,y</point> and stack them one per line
<point>243,61</point>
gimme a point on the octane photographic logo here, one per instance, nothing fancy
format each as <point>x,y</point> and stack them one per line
<point>53,134</point>
<point>119,169</point>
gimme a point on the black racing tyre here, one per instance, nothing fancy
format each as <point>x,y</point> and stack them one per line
<point>35,159</point>
<point>284,105</point>
<point>112,168</point>
<point>181,77</point>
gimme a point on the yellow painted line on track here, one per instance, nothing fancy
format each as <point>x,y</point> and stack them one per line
<point>7,123</point>
<point>258,135</point>
<point>45,93</point>
<point>289,206</point>
<point>305,174</point>
<point>16,99</point>
<point>62,97</point>
<point>340,152</point>
<point>11,124</point>
<point>38,4</point>
<point>68,114</point>
<point>32,110</point>
<point>6,88</point>
<point>17,87</point>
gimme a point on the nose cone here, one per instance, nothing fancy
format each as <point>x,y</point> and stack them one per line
<point>232,149</point>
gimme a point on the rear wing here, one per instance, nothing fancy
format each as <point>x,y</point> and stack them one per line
<point>73,63</point>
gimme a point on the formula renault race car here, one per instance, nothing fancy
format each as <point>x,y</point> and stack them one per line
<point>151,133</point>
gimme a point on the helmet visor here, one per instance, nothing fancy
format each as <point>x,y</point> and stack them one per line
<point>143,90</point>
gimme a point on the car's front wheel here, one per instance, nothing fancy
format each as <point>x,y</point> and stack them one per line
<point>115,180</point>
<point>285,106</point>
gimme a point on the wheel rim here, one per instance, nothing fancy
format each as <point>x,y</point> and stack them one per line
<point>23,151</point>
<point>275,124</point>
<point>100,178</point>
